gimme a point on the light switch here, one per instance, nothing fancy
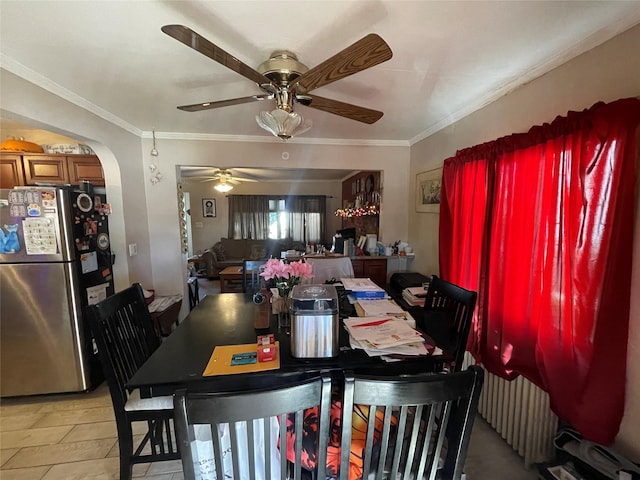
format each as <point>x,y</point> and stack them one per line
<point>133,249</point>
<point>199,225</point>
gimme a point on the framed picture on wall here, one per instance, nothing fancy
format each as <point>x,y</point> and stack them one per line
<point>428,191</point>
<point>208,207</point>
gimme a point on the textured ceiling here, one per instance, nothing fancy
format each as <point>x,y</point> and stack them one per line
<point>449,58</point>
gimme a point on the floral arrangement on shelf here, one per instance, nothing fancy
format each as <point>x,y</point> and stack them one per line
<point>358,212</point>
<point>286,275</point>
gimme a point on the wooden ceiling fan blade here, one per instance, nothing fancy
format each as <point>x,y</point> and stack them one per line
<point>197,107</point>
<point>199,43</point>
<point>365,53</point>
<point>347,110</point>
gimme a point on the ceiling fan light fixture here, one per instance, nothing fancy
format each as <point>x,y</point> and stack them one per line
<point>283,124</point>
<point>223,187</point>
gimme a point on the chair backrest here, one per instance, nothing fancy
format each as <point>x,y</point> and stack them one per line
<point>125,337</point>
<point>448,313</point>
<point>251,279</point>
<point>245,427</point>
<point>327,268</point>
<point>409,427</point>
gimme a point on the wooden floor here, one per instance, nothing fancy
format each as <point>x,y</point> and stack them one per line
<point>73,437</point>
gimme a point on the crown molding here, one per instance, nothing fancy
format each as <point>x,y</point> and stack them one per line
<point>270,139</point>
<point>45,83</point>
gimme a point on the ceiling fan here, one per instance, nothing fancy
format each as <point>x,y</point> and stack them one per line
<point>287,81</point>
<point>223,176</point>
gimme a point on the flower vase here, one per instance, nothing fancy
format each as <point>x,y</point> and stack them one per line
<point>284,313</point>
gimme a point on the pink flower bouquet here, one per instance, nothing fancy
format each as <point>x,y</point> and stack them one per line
<point>286,275</point>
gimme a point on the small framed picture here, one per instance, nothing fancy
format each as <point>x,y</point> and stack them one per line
<point>208,207</point>
<point>428,191</point>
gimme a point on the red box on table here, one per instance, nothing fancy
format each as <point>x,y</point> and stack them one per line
<point>266,348</point>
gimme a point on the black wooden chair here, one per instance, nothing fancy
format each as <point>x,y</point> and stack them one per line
<point>194,292</point>
<point>413,427</point>
<point>243,453</point>
<point>125,337</point>
<point>251,279</point>
<point>447,316</point>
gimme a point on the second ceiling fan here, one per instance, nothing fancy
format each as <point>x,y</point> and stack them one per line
<point>287,81</point>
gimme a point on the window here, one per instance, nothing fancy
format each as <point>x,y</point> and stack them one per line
<point>300,218</point>
<point>541,225</point>
<point>278,225</point>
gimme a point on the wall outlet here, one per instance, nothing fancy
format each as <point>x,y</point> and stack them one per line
<point>133,249</point>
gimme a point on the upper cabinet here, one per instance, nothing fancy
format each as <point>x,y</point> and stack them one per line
<point>85,167</point>
<point>11,171</point>
<point>45,169</point>
<point>32,168</point>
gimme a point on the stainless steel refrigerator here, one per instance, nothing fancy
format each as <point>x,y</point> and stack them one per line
<point>55,259</point>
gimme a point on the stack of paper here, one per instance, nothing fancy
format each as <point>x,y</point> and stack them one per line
<point>382,306</point>
<point>414,296</point>
<point>363,288</point>
<point>384,335</point>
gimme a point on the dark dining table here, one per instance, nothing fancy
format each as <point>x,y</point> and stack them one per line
<point>228,319</point>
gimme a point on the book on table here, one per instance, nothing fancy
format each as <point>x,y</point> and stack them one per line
<point>363,288</point>
<point>412,299</point>
<point>420,292</point>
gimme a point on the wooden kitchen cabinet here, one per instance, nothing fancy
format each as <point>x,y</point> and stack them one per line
<point>374,268</point>
<point>45,169</point>
<point>11,171</point>
<point>29,169</point>
<point>85,167</point>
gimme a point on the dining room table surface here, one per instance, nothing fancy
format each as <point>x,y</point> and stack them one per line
<point>228,319</point>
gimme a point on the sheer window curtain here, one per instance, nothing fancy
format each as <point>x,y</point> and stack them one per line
<point>248,216</point>
<point>307,217</point>
<point>541,225</point>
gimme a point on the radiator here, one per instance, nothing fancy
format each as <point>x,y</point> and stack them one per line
<point>519,411</point>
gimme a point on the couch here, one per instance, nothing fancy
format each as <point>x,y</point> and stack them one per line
<point>232,252</point>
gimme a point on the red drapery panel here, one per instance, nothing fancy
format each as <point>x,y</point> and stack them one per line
<point>546,240</point>
<point>463,202</point>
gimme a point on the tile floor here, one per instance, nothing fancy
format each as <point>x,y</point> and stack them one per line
<point>73,437</point>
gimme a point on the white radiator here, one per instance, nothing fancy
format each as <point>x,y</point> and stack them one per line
<point>519,411</point>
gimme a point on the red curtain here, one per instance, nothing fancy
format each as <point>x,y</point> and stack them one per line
<point>541,225</point>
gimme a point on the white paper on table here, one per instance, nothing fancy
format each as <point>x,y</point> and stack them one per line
<point>408,349</point>
<point>360,285</point>
<point>381,332</point>
<point>379,307</point>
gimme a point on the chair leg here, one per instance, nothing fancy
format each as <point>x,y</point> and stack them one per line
<point>125,449</point>
<point>126,467</point>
